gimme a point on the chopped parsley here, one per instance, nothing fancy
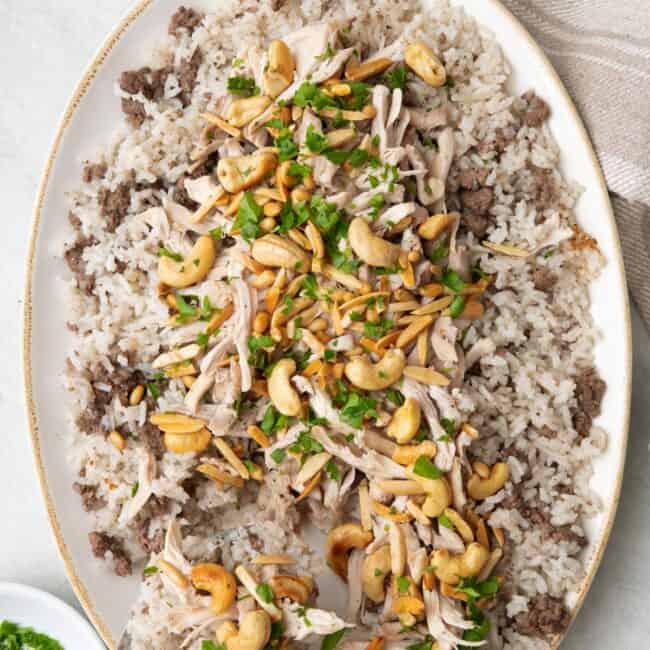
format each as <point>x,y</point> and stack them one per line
<point>452,281</point>
<point>165,252</point>
<point>248,217</point>
<point>449,426</point>
<point>378,329</point>
<point>309,94</point>
<point>256,343</point>
<point>242,86</point>
<point>330,641</point>
<point>475,590</point>
<point>423,645</point>
<point>288,149</point>
<point>17,637</point>
<point>396,78</point>
<point>424,467</point>
<point>355,407</point>
<point>439,252</point>
<point>265,592</point>
<point>378,572</point>
<point>216,233</point>
<point>306,444</point>
<point>316,142</point>
<point>403,584</point>
<point>456,307</point>
<point>443,520</point>
<point>278,455</point>
<point>310,286</point>
<point>332,470</point>
<point>329,355</point>
<point>210,645</point>
<point>150,570</point>
<point>298,169</point>
<point>394,396</point>
<point>134,489</point>
<point>327,54</point>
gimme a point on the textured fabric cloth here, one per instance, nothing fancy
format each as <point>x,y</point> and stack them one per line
<point>601,49</point>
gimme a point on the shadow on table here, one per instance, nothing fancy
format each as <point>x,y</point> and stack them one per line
<point>615,612</point>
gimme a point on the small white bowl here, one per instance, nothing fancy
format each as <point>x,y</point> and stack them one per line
<point>47,614</point>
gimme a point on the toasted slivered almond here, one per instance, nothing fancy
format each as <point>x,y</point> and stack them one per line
<point>219,476</point>
<point>363,300</point>
<point>251,586</point>
<point>337,370</point>
<point>258,436</point>
<point>397,545</point>
<point>264,280</point>
<point>337,324</point>
<point>249,263</point>
<point>431,290</point>
<point>390,513</point>
<point>376,643</point>
<point>406,305</point>
<point>176,356</point>
<point>417,513</point>
<point>473,310</point>
<point>310,340</point>
<point>315,240</point>
<point>232,458</point>
<point>220,317</point>
<point>365,506</point>
<point>309,487</point>
<point>272,298</point>
<point>423,346</point>
<point>346,279</point>
<point>367,113</point>
<point>178,370</point>
<point>174,574</point>
<point>482,536</point>
<point>312,466</point>
<point>234,204</point>
<point>434,306</point>
<point>470,430</point>
<point>408,276</point>
<point>400,487</point>
<point>222,124</point>
<point>426,376</point>
<point>498,533</point>
<point>312,368</point>
<point>368,344</point>
<point>506,249</point>
<point>412,331</point>
<point>463,528</point>
<point>274,559</point>
<point>387,340</point>
<point>300,239</point>
<point>495,558</point>
<point>407,320</point>
<point>204,209</point>
<point>268,193</point>
<point>176,422</point>
<point>227,361</point>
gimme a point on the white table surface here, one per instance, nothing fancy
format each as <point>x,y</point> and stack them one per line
<point>45,46</point>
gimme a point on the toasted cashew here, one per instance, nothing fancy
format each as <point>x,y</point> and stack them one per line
<point>436,224</point>
<point>190,270</point>
<point>243,111</point>
<point>340,541</point>
<point>364,374</point>
<point>238,173</point>
<point>438,491</point>
<point>405,422</point>
<point>254,632</point>
<point>296,588</point>
<point>370,248</point>
<point>408,454</point>
<point>451,568</point>
<point>219,582</point>
<point>280,70</point>
<point>273,250</point>
<point>463,528</point>
<point>282,394</point>
<point>479,488</point>
<point>374,571</point>
<point>425,64</point>
<point>185,443</point>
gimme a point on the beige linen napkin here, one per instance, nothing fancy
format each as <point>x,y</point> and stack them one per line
<point>601,49</point>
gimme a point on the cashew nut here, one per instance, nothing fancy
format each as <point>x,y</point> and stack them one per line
<point>369,247</point>
<point>408,454</point>
<point>243,111</point>
<point>283,395</point>
<point>340,541</point>
<point>451,568</point>
<point>296,588</point>
<point>364,374</point>
<point>273,250</point>
<point>482,488</point>
<point>190,270</point>
<point>220,583</point>
<point>436,224</point>
<point>238,173</point>
<point>408,605</point>
<point>374,570</point>
<point>425,64</point>
<point>254,632</point>
<point>405,422</point>
<point>279,73</point>
<point>185,443</point>
<point>438,491</point>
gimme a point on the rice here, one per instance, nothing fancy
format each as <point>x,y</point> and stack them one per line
<point>531,393</point>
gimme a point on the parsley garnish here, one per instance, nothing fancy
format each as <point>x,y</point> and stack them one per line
<point>256,343</point>
<point>456,307</point>
<point>242,86</point>
<point>439,252</point>
<point>443,520</point>
<point>16,637</point>
<point>356,407</point>
<point>264,592</point>
<point>165,252</point>
<point>396,78</point>
<point>306,444</point>
<point>134,488</point>
<point>403,584</point>
<point>248,217</point>
<point>449,426</point>
<point>378,329</point>
<point>452,281</point>
<point>278,455</point>
<point>209,645</point>
<point>288,149</point>
<point>150,570</point>
<point>330,641</point>
<point>297,169</point>
<point>424,467</point>
<point>332,470</point>
<point>394,396</point>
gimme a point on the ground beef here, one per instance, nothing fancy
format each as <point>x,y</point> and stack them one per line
<point>544,279</point>
<point>74,259</point>
<point>89,499</point>
<point>546,616</point>
<point>101,543</point>
<point>153,544</point>
<point>206,167</point>
<point>472,178</point>
<point>134,111</point>
<point>152,439</point>
<point>542,188</point>
<point>181,196</point>
<point>114,204</point>
<point>184,18</point>
<point>276,5</point>
<point>478,201</point>
<point>537,110</point>
<point>590,389</point>
<point>135,81</point>
<point>93,171</point>
<point>496,143</point>
<point>187,72</point>
<point>476,223</point>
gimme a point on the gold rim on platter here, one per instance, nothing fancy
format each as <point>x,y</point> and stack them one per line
<point>593,562</point>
